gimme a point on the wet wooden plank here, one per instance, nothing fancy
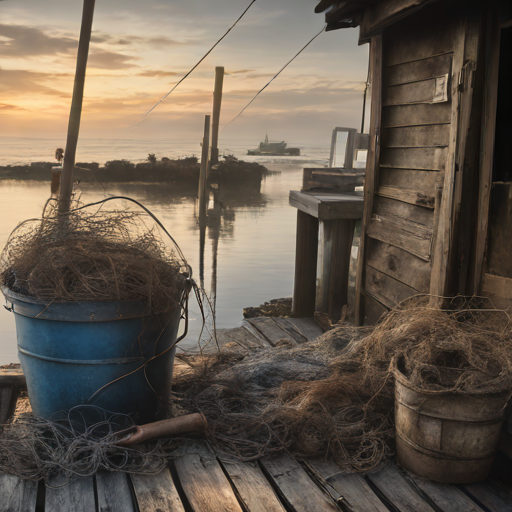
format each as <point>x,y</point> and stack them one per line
<point>239,337</point>
<point>307,327</point>
<point>447,497</point>
<point>17,495</point>
<point>114,493</point>
<point>410,179</point>
<point>386,289</point>
<point>391,483</point>
<point>156,493</point>
<point>270,330</point>
<point>253,488</point>
<point>373,310</point>
<point>490,495</point>
<point>397,210</point>
<point>419,70</point>
<point>399,264</point>
<point>356,494</point>
<point>433,159</point>
<point>77,495</point>
<point>418,114</point>
<point>12,374</point>
<point>402,234</point>
<point>204,482</point>
<point>295,487</point>
<point>416,136</point>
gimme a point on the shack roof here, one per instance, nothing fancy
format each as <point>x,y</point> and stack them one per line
<point>349,13</point>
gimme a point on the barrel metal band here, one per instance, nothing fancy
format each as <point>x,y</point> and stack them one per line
<point>121,360</point>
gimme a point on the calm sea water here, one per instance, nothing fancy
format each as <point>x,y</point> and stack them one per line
<point>253,245</point>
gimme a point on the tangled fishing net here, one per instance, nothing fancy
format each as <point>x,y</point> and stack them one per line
<point>330,398</point>
<point>334,398</point>
<point>93,254</point>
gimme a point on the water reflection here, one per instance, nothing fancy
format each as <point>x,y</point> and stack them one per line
<point>243,255</point>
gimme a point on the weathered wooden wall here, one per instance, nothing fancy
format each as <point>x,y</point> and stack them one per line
<point>422,112</point>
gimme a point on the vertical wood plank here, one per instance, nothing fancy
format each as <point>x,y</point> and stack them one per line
<point>372,165</point>
<point>156,493</point>
<point>17,495</point>
<point>114,493</point>
<point>8,397</point>
<point>487,145</point>
<point>443,238</point>
<point>204,482</point>
<point>335,247</point>
<point>296,488</point>
<point>253,488</point>
<point>77,495</point>
<point>306,251</point>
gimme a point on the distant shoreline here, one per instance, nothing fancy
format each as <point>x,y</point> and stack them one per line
<point>180,171</point>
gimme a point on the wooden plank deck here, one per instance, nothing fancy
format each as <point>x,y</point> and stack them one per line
<point>200,482</point>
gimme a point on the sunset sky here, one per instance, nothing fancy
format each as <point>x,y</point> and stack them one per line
<point>140,49</point>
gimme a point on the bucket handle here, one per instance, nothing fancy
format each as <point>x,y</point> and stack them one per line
<point>184,308</point>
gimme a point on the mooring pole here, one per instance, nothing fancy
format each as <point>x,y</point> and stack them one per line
<point>66,185</point>
<point>217,100</point>
<point>203,200</point>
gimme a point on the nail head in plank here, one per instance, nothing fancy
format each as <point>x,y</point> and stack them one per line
<point>114,493</point>
<point>18,495</point>
<point>447,497</point>
<point>398,491</point>
<point>76,495</point>
<point>252,487</point>
<point>295,486</point>
<point>156,493</point>
<point>357,495</point>
<point>204,482</point>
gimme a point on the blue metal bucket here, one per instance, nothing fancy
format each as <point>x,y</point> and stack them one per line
<point>112,355</point>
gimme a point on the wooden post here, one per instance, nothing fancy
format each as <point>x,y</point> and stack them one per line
<point>306,253</point>
<point>335,248</point>
<point>203,200</point>
<point>217,99</point>
<point>66,187</point>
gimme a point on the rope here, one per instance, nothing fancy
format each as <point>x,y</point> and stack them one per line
<point>201,60</point>
<point>274,77</point>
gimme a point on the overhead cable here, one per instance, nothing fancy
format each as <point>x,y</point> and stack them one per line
<point>274,77</point>
<point>204,57</point>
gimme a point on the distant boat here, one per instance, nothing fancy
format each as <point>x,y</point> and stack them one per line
<point>273,149</point>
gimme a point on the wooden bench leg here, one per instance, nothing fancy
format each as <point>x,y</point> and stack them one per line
<point>306,251</point>
<point>8,398</point>
<point>335,247</point>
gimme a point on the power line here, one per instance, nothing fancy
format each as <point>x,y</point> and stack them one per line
<point>273,78</point>
<point>204,57</point>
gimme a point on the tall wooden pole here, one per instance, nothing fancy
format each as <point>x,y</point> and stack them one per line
<point>66,186</point>
<point>202,173</point>
<point>217,100</point>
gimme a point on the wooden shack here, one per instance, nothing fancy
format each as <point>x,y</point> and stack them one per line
<point>438,188</point>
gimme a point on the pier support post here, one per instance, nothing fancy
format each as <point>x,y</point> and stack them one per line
<point>66,186</point>
<point>217,100</point>
<point>335,247</point>
<point>202,196</point>
<point>306,251</point>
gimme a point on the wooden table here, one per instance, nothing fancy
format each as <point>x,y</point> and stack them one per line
<point>325,230</point>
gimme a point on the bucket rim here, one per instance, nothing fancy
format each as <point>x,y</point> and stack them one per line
<point>401,378</point>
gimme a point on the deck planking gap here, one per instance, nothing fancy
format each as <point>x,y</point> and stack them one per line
<point>17,495</point>
<point>114,492</point>
<point>76,495</point>
<point>156,493</point>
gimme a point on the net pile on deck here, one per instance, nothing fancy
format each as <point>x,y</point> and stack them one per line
<point>334,397</point>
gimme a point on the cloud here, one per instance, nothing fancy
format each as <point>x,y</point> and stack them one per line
<point>19,82</point>
<point>24,41</point>
<point>103,59</point>
<point>6,106</point>
<point>156,73</point>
